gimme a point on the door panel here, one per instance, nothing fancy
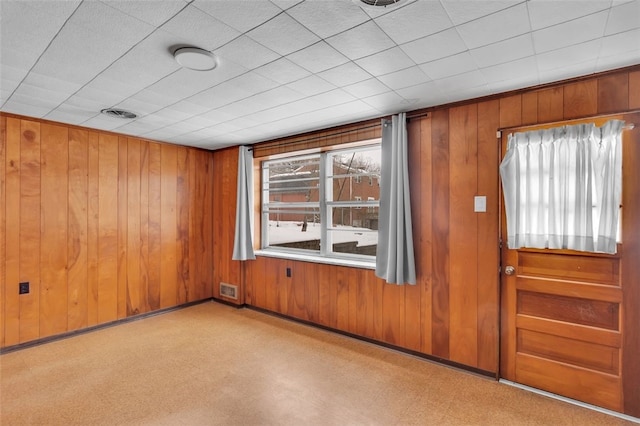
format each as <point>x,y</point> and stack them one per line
<point>563,312</point>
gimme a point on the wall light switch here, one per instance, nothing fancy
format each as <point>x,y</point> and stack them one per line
<point>480,204</point>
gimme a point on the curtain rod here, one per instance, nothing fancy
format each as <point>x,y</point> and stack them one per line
<point>311,138</point>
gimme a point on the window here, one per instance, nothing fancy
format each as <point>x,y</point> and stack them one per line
<point>310,204</point>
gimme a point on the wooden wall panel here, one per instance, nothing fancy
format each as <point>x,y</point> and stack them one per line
<point>12,234</point>
<point>132,289</point>
<point>77,244</point>
<point>453,311</point>
<point>463,234</point>
<point>83,212</point>
<point>441,228</point>
<point>488,253</point>
<point>54,152</point>
<point>3,252</point>
<point>30,228</point>
<point>123,226</point>
<point>168,226</point>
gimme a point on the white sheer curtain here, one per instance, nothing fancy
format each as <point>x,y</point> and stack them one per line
<point>395,261</point>
<point>563,187</point>
<point>243,239</point>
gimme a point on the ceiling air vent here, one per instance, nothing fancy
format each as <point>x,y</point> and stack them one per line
<point>118,113</point>
<point>381,3</point>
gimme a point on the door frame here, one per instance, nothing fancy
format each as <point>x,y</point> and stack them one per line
<point>630,368</point>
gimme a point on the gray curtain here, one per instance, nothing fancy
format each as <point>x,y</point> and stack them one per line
<point>395,261</point>
<point>243,240</point>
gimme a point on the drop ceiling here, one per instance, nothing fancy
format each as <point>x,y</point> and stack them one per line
<point>290,66</point>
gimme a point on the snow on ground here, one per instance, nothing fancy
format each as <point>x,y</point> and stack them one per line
<point>287,232</point>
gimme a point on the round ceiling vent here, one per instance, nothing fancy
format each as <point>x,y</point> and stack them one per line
<point>380,3</point>
<point>118,113</point>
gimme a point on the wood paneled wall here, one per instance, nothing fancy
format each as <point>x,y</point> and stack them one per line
<point>102,226</point>
<point>224,223</point>
<point>453,311</point>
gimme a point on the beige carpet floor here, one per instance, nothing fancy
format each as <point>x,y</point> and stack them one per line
<point>211,364</point>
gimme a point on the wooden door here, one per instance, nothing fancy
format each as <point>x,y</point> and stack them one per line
<point>569,319</point>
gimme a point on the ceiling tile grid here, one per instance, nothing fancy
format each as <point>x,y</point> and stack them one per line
<point>291,66</point>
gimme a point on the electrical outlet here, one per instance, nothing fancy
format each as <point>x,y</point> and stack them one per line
<point>24,288</point>
<point>288,272</point>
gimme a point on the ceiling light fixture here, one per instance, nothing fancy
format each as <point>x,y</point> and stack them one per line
<point>195,58</point>
<point>380,3</point>
<point>118,113</point>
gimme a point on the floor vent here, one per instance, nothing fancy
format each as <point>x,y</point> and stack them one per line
<point>229,290</point>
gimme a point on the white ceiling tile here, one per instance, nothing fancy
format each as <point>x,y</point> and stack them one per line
<point>189,108</point>
<point>461,11</point>
<point>423,91</point>
<point>623,18</point>
<point>573,32</point>
<point>318,57</point>
<point>70,114</point>
<point>567,56</point>
<point>503,51</point>
<point>282,71</point>
<point>103,122</point>
<point>416,20</point>
<point>154,12</point>
<point>136,128</point>
<point>545,13</point>
<point>345,74</point>
<point>16,107</point>
<point>195,27</point>
<point>452,65</point>
<point>390,60</point>
<point>311,85</point>
<point>361,41</point>
<point>583,68</point>
<point>138,107</point>
<point>110,24</point>
<point>517,82</point>
<point>405,78</point>
<point>283,35</point>
<point>620,43</point>
<point>35,97</point>
<point>106,90</point>
<point>328,17</point>
<point>43,20</point>
<point>175,86</point>
<point>389,102</point>
<point>241,15</point>
<point>436,46</point>
<point>366,88</point>
<point>617,61</point>
<point>45,97</point>
<point>520,67</point>
<point>498,26</point>
<point>246,52</point>
<point>461,81</point>
<point>285,4</point>
<point>46,82</point>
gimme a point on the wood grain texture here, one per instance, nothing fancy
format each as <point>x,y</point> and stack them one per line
<point>83,210</point>
<point>463,234</point>
<point>182,240</point>
<point>122,227</point>
<point>12,234</point>
<point>30,228</point>
<point>529,108</point>
<point>3,223</point>
<point>133,290</point>
<point>613,93</point>
<point>441,228</point>
<point>108,229</point>
<point>93,222</point>
<point>488,252</point>
<point>634,90</point>
<point>511,111</point>
<point>77,243</point>
<point>630,268</point>
<point>168,226</point>
<point>580,99</point>
<point>550,105</point>
<point>425,249</point>
<point>54,152</point>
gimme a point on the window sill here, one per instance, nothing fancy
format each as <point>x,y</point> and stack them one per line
<point>363,264</point>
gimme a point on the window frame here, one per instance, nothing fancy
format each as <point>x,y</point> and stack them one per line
<point>326,254</point>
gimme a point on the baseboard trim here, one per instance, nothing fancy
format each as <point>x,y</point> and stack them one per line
<point>406,351</point>
<point>229,303</point>
<point>571,401</point>
<point>49,339</point>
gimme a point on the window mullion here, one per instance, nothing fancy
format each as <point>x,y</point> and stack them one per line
<point>325,193</point>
